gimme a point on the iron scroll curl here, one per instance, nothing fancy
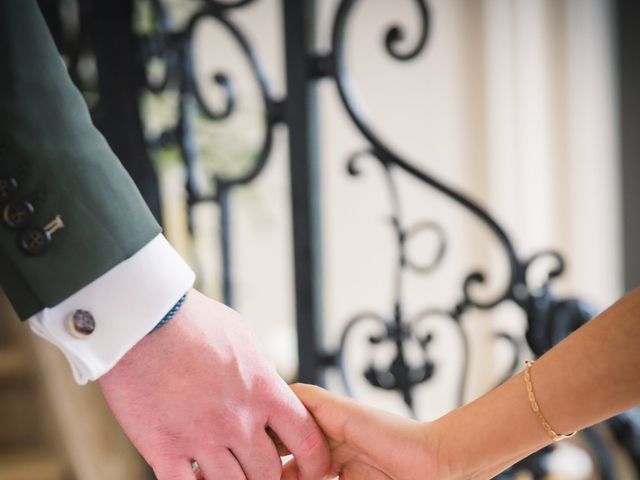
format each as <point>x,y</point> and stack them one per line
<point>386,155</point>
<point>176,49</point>
<point>392,162</point>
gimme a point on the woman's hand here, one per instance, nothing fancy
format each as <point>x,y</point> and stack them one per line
<point>369,444</point>
<point>574,388</point>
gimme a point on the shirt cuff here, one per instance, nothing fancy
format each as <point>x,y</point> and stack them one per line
<point>126,303</point>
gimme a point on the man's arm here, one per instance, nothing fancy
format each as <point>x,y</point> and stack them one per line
<point>82,258</point>
<point>54,162</point>
<point>72,223</point>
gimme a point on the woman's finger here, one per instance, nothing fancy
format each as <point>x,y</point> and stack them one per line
<point>330,411</point>
<point>302,437</point>
<point>362,471</point>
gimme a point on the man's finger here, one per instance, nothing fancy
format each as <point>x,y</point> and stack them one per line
<point>298,431</point>
<point>282,449</point>
<point>178,470</point>
<point>220,464</point>
<point>259,459</point>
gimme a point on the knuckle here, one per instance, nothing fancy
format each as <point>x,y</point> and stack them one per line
<point>247,428</point>
<point>270,393</point>
<point>243,432</point>
<point>264,383</point>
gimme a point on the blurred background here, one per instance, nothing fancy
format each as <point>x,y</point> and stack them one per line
<point>340,171</point>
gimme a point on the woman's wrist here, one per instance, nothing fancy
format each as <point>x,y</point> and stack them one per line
<point>481,439</point>
<point>442,441</point>
<point>451,439</point>
<point>440,452</point>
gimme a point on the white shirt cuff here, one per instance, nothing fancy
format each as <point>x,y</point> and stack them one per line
<point>127,302</point>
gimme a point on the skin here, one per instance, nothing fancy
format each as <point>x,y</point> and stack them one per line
<point>199,389</point>
<point>367,443</point>
<point>590,376</point>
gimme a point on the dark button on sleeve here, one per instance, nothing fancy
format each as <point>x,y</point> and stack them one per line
<point>81,323</point>
<point>17,215</point>
<point>34,241</point>
<point>8,188</point>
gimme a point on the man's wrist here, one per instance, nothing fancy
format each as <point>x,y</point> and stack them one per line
<point>170,314</point>
<point>146,286</point>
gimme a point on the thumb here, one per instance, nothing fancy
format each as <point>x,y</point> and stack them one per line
<point>311,396</point>
<point>330,411</point>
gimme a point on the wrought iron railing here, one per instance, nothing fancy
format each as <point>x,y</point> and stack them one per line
<point>549,318</point>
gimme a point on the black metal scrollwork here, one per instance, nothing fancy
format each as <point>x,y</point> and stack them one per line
<point>549,319</point>
<point>391,163</point>
<point>176,48</point>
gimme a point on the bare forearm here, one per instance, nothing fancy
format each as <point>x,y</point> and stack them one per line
<point>590,376</point>
<point>593,374</point>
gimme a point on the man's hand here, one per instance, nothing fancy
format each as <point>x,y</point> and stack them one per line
<point>199,390</point>
<point>369,444</point>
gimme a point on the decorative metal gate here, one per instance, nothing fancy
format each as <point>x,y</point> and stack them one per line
<point>103,30</point>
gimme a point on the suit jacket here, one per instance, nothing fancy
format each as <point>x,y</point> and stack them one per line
<point>53,162</point>
<point>81,256</point>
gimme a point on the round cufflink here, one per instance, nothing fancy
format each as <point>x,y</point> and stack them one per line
<point>81,323</point>
<point>17,215</point>
<point>8,188</point>
<point>34,241</point>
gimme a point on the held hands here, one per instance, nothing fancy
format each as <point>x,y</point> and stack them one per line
<point>199,390</point>
<point>369,444</point>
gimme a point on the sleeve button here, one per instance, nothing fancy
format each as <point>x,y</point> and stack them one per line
<point>34,241</point>
<point>81,323</point>
<point>8,188</point>
<point>17,215</point>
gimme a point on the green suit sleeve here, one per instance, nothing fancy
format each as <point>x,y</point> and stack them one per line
<point>63,166</point>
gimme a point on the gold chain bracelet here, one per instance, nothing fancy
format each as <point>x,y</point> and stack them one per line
<point>536,408</point>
